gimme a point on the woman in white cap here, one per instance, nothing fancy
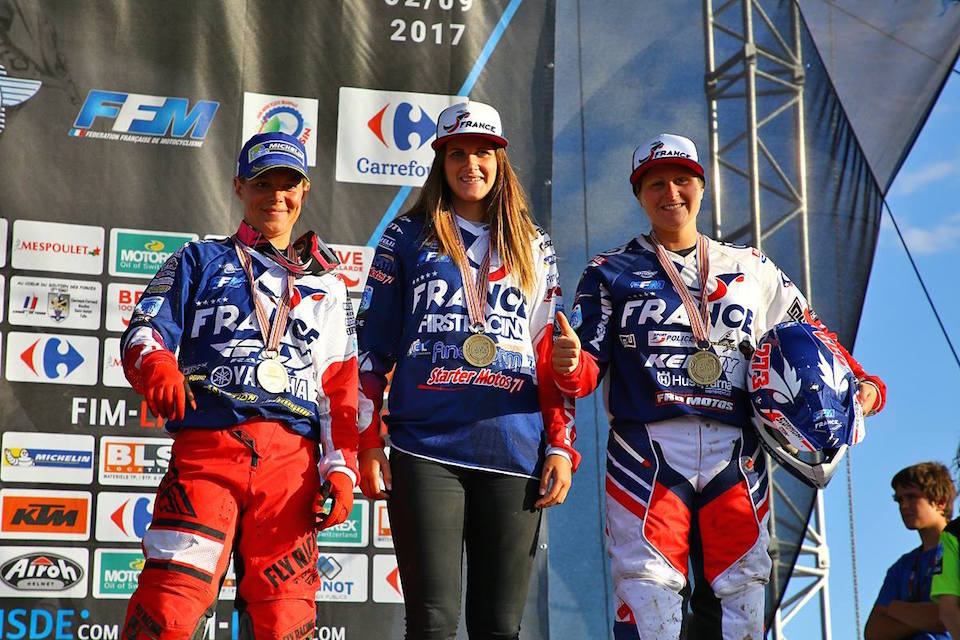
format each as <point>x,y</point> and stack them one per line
<point>461,298</point>
<point>681,455</point>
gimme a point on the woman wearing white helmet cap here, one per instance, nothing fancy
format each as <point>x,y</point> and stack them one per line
<point>672,317</point>
<point>461,298</point>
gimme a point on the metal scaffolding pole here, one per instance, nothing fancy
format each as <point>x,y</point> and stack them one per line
<point>754,85</point>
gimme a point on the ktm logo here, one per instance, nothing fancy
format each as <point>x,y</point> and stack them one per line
<point>403,126</point>
<point>56,353</point>
<point>37,514</point>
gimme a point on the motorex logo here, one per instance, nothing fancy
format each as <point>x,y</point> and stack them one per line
<point>352,532</point>
<point>383,137</point>
<point>140,254</point>
<point>134,117</point>
<point>116,572</point>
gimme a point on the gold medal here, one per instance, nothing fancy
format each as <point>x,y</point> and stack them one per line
<point>704,367</point>
<point>479,350</point>
<point>272,375</point>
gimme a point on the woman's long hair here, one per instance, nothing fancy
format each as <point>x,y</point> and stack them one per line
<point>511,230</point>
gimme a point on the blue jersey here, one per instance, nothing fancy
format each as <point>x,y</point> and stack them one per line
<point>908,579</point>
<point>414,315</point>
<point>199,305</point>
<point>631,320</point>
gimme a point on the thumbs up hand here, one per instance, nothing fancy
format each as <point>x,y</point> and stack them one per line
<point>566,348</point>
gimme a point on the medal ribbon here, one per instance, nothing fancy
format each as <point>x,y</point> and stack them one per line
<point>475,289</point>
<point>699,318</point>
<point>271,336</point>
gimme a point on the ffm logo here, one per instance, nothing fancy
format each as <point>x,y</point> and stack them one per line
<point>144,118</point>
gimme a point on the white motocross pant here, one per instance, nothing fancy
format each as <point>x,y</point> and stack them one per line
<point>660,477</point>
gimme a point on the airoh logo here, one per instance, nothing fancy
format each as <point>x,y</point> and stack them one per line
<point>41,572</point>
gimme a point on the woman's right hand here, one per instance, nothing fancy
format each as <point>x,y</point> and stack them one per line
<point>373,462</point>
<point>566,348</point>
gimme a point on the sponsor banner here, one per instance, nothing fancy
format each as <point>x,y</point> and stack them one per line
<point>46,458</point>
<point>352,532</point>
<point>144,119</point>
<point>123,517</point>
<point>3,282</point>
<point>56,359</point>
<point>121,300</point>
<point>383,137</point>
<point>112,364</point>
<point>382,536</point>
<point>48,302</point>
<point>135,253</point>
<point>343,577</point>
<point>354,265</point>
<point>294,116</point>
<point>3,242</point>
<point>55,246</point>
<point>386,579</point>
<point>115,572</point>
<point>137,462</point>
<point>43,572</point>
<point>31,514</point>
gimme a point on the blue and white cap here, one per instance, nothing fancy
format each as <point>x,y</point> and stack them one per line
<point>271,150</point>
<point>469,119</point>
<point>666,148</point>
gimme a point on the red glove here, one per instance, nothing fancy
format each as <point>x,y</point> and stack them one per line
<point>339,488</point>
<point>164,387</point>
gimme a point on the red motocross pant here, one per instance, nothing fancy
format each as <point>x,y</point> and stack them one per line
<point>248,489</point>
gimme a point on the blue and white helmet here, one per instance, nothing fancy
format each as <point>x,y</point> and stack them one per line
<point>804,397</point>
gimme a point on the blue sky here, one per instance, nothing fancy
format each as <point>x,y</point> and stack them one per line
<point>899,339</point>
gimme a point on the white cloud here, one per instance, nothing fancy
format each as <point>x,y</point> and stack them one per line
<point>945,236</point>
<point>910,181</point>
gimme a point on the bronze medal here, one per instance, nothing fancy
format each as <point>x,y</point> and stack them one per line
<point>704,367</point>
<point>479,350</point>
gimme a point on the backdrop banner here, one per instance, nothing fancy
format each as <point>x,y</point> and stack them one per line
<point>120,124</point>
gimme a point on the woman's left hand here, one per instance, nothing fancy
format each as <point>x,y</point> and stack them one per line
<point>555,481</point>
<point>868,397</point>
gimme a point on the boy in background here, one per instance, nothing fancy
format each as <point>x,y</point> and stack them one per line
<point>904,610</point>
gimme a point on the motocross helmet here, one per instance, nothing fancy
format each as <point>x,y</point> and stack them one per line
<point>804,398</point>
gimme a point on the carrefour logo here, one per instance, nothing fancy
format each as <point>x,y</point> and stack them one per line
<point>140,254</point>
<point>383,136</point>
<point>134,117</point>
<point>37,357</point>
<point>403,125</point>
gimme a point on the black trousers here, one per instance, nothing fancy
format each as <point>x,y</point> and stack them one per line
<point>437,511</point>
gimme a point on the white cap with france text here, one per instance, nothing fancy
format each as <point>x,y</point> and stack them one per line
<point>469,119</point>
<point>666,148</point>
